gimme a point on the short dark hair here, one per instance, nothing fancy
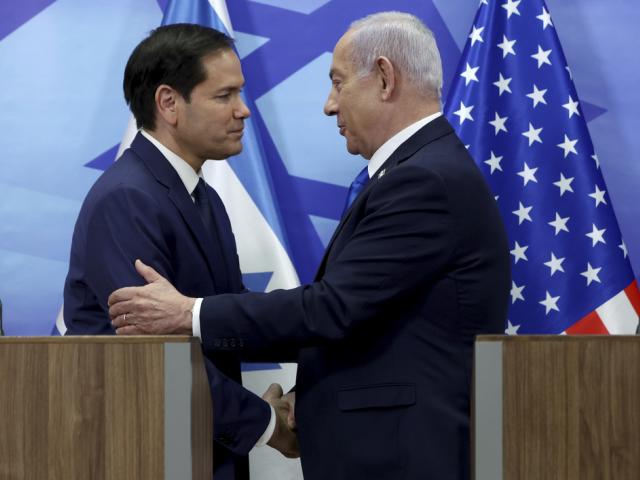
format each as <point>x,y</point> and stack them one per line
<point>171,55</point>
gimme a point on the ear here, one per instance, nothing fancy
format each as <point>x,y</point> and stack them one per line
<point>166,103</point>
<point>387,76</point>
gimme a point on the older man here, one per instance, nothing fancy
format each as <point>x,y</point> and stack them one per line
<point>416,268</point>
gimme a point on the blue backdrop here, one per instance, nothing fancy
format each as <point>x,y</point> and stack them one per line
<point>63,116</point>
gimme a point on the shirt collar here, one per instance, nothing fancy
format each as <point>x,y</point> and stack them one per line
<point>391,145</point>
<point>186,173</point>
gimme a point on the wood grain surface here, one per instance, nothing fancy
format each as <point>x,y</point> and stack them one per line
<point>571,407</point>
<point>87,408</point>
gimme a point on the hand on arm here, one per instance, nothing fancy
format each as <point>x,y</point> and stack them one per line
<point>154,309</point>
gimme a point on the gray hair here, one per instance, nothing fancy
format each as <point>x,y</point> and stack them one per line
<point>405,41</point>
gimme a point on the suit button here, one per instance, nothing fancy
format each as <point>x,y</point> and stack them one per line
<point>240,343</point>
<point>216,343</point>
<point>225,343</point>
<point>233,343</point>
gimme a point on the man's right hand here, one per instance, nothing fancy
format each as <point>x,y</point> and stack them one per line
<point>284,438</point>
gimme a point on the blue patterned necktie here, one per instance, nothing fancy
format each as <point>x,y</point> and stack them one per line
<point>356,187</point>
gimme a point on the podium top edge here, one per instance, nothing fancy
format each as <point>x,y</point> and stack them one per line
<point>555,338</point>
<point>111,339</point>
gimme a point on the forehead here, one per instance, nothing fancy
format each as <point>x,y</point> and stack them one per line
<point>223,69</point>
<point>341,62</point>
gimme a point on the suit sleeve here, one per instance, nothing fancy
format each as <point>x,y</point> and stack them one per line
<point>403,241</point>
<point>124,224</point>
<point>240,416</point>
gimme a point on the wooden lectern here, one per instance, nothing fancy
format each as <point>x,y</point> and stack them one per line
<point>104,408</point>
<point>557,407</point>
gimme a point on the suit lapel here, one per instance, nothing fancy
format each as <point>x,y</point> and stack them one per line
<point>434,130</point>
<point>166,175</point>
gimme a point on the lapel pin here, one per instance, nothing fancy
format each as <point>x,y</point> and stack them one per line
<point>381,173</point>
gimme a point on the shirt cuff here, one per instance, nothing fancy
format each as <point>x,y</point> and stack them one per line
<point>195,319</point>
<point>268,433</point>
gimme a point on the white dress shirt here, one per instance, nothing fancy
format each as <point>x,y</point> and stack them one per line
<point>190,180</point>
<point>387,148</point>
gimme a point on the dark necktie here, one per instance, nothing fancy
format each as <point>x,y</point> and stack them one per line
<point>356,187</point>
<point>207,212</point>
<point>204,207</point>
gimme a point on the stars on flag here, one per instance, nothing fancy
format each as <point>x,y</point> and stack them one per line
<point>533,134</point>
<point>596,235</point>
<point>598,196</point>
<point>560,224</point>
<point>542,56</point>
<point>591,274</point>
<point>511,328</point>
<point>555,264</point>
<point>528,174</point>
<point>494,162</point>
<point>507,46</point>
<point>569,146</point>
<point>550,303</point>
<point>623,247</point>
<point>537,96</point>
<point>503,85</point>
<point>518,252</point>
<point>572,107</point>
<point>522,213</point>
<point>511,7</point>
<point>561,241</point>
<point>499,123</point>
<point>469,74</point>
<point>564,184</point>
<point>464,112</point>
<point>545,18</point>
<point>476,35</point>
<point>516,292</point>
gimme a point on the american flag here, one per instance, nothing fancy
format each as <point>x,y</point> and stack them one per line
<point>514,104</point>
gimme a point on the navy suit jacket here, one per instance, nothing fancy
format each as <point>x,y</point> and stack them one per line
<point>139,208</point>
<point>418,267</point>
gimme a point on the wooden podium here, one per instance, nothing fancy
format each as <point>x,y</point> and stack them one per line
<point>557,407</point>
<point>111,408</point>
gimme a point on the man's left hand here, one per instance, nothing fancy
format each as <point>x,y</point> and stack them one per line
<point>155,309</point>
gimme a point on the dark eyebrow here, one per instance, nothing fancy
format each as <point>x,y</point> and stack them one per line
<point>331,73</point>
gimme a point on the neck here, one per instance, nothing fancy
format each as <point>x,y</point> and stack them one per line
<point>405,114</point>
<point>166,138</point>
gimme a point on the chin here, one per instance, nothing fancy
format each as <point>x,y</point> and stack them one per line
<point>352,149</point>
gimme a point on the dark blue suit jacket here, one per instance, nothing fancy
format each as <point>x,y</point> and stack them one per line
<point>139,208</point>
<point>416,269</point>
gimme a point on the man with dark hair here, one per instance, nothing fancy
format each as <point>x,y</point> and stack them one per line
<point>183,85</point>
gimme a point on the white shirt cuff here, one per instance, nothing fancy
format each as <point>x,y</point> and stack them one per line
<point>268,433</point>
<point>195,319</point>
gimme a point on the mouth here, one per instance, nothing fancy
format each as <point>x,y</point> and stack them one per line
<point>238,132</point>
<point>341,129</point>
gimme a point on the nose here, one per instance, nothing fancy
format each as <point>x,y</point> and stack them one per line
<point>331,106</point>
<point>241,110</point>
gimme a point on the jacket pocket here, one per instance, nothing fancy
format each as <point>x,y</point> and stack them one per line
<point>385,395</point>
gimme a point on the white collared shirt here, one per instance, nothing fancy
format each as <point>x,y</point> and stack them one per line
<point>185,171</point>
<point>190,180</point>
<point>387,148</point>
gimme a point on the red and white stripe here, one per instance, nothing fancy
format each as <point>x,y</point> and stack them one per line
<point>617,316</point>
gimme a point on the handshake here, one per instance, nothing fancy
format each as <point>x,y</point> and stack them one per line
<point>284,437</point>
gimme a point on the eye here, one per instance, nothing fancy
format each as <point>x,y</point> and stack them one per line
<point>223,97</point>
